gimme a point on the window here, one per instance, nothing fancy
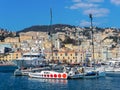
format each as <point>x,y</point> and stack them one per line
<point>76,54</point>
<point>65,54</point>
<point>75,61</point>
<point>81,58</point>
<point>55,54</point>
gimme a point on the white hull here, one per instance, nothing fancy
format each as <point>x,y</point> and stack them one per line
<point>82,75</point>
<point>76,76</point>
<point>112,69</point>
<point>30,59</point>
<point>48,75</point>
<point>20,72</point>
<point>113,66</point>
<point>100,70</point>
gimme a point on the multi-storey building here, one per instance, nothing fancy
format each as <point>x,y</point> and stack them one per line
<point>12,40</point>
<point>11,56</point>
<point>68,56</point>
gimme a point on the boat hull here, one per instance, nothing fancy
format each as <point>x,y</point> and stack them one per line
<point>48,75</point>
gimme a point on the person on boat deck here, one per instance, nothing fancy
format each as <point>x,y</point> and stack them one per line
<point>82,70</point>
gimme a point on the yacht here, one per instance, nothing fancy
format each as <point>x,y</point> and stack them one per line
<point>30,62</point>
<point>30,59</point>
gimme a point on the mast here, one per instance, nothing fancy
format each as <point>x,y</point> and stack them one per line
<point>51,33</point>
<point>91,28</point>
<point>50,16</point>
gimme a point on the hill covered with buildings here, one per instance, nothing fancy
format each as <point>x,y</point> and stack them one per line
<point>69,43</point>
<point>47,28</point>
<point>5,33</point>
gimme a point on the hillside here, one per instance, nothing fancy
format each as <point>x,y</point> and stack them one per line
<point>47,28</point>
<point>6,33</point>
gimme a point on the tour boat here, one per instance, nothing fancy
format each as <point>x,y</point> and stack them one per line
<point>46,74</point>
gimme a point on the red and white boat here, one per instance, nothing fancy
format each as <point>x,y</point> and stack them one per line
<point>48,75</point>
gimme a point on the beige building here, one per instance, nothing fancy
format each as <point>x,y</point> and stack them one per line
<point>11,56</point>
<point>25,37</point>
<point>66,56</point>
<point>12,40</point>
<point>35,35</point>
<point>61,35</point>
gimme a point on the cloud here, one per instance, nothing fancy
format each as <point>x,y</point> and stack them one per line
<point>116,2</point>
<point>87,0</point>
<point>84,23</point>
<point>95,0</point>
<point>97,12</point>
<point>83,5</point>
<point>76,0</point>
<point>90,6</point>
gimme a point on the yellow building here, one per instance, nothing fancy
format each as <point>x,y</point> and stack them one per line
<point>47,45</point>
<point>25,37</point>
<point>66,56</point>
<point>35,35</point>
<point>61,35</point>
<point>11,56</point>
<point>12,40</point>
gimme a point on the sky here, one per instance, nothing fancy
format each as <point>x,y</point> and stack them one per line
<point>16,15</point>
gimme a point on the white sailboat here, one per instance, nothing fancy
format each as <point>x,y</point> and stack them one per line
<point>82,73</point>
<point>99,70</point>
<point>87,72</point>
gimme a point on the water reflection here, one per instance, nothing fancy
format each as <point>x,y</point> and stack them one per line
<point>54,81</point>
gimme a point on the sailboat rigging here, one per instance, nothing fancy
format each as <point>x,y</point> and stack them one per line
<point>91,19</point>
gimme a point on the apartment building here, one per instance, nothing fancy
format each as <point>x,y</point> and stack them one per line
<point>12,40</point>
<point>11,56</point>
<point>66,56</point>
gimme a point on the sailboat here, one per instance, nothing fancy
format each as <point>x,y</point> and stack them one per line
<point>87,72</point>
<point>81,73</point>
<point>100,70</point>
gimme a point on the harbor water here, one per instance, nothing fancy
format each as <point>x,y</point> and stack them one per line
<point>10,82</point>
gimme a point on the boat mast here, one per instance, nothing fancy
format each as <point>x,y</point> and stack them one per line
<point>91,28</point>
<point>51,32</point>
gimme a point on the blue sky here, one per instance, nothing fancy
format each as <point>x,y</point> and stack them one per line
<point>19,14</point>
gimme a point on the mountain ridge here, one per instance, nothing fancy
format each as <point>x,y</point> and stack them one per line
<point>47,28</point>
